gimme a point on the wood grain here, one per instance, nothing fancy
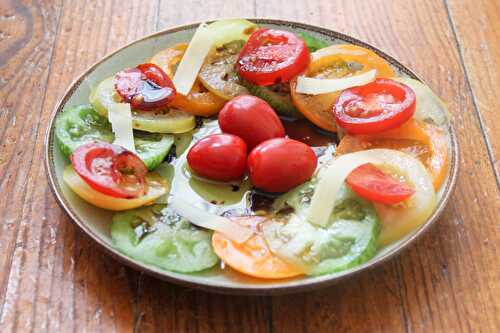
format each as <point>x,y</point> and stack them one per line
<point>476,25</point>
<point>54,278</point>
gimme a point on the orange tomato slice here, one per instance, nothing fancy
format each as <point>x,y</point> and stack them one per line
<point>424,141</point>
<point>252,257</point>
<point>199,101</point>
<point>335,61</point>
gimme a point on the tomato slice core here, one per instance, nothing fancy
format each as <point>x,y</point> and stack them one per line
<point>145,87</point>
<point>272,56</point>
<point>371,183</point>
<point>110,169</point>
<point>375,107</point>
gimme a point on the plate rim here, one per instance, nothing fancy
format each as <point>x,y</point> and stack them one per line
<point>264,289</point>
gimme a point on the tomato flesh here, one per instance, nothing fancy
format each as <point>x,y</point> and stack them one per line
<point>110,169</point>
<point>272,56</point>
<point>219,156</point>
<point>145,87</point>
<point>252,257</point>
<point>280,164</point>
<point>375,107</point>
<point>370,183</point>
<point>250,118</point>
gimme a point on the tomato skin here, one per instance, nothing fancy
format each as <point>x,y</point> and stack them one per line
<point>101,165</point>
<point>272,56</point>
<point>372,184</point>
<point>145,87</point>
<point>375,107</point>
<point>280,164</point>
<point>250,118</point>
<point>219,157</point>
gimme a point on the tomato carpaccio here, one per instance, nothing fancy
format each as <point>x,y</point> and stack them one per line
<point>145,87</point>
<point>272,56</point>
<point>110,169</point>
<point>375,107</point>
<point>250,118</point>
<point>280,164</point>
<point>219,156</point>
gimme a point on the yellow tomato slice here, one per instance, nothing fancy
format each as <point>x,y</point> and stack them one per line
<point>199,101</point>
<point>331,62</point>
<point>155,184</point>
<point>252,257</point>
<point>426,142</point>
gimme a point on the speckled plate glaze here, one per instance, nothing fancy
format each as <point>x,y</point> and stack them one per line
<point>95,222</point>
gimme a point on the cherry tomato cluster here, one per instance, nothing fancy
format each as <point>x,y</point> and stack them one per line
<point>275,163</point>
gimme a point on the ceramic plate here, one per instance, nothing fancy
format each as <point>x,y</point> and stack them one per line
<point>95,222</point>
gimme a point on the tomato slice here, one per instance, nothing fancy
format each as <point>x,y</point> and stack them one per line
<point>424,141</point>
<point>110,169</point>
<point>375,107</point>
<point>145,87</point>
<point>370,183</point>
<point>199,101</point>
<point>272,56</point>
<point>332,62</point>
<point>253,257</point>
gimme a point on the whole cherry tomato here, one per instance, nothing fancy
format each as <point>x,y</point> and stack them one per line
<point>110,169</point>
<point>250,118</point>
<point>278,165</point>
<point>219,157</point>
<point>145,87</point>
<point>272,56</point>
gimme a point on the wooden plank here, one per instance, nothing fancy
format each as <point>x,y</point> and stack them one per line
<point>449,279</point>
<point>59,280</point>
<point>476,25</point>
<point>27,34</point>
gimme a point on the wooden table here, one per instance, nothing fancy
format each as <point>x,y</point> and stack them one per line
<point>54,278</point>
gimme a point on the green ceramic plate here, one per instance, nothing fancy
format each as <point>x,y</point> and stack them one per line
<point>96,222</point>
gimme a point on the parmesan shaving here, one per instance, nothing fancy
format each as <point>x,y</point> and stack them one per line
<point>312,86</point>
<point>120,117</point>
<point>193,59</point>
<point>330,181</point>
<point>204,219</point>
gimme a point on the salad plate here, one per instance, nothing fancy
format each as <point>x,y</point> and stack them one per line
<point>227,162</point>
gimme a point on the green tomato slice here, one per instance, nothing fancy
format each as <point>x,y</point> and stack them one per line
<point>218,74</point>
<point>277,96</point>
<point>82,124</point>
<point>349,239</point>
<point>165,120</point>
<point>159,237</point>
<point>313,43</point>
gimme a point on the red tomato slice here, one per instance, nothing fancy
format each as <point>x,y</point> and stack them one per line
<point>145,87</point>
<point>110,169</point>
<point>370,183</point>
<point>272,56</point>
<point>375,107</point>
